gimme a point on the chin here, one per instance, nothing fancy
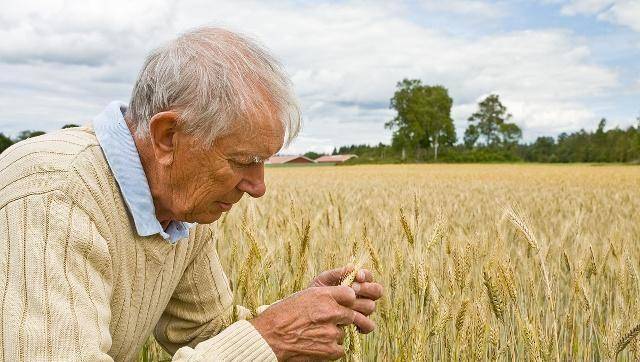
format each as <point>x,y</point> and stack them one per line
<point>209,218</point>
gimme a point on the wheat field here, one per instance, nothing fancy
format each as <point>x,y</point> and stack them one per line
<point>479,262</point>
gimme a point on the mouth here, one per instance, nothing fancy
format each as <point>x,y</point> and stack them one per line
<point>224,206</point>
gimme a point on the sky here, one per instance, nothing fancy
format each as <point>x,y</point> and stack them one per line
<point>558,66</point>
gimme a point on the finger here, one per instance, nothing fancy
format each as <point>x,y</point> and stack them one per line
<point>344,316</point>
<point>337,352</point>
<point>334,276</point>
<point>364,275</point>
<point>364,306</point>
<point>340,335</point>
<point>343,295</point>
<point>364,324</point>
<point>330,351</point>
<point>371,291</point>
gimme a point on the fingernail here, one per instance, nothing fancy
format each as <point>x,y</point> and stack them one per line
<point>356,287</point>
<point>361,274</point>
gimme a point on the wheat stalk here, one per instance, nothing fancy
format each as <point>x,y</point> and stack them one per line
<point>354,351</point>
<point>495,298</point>
<point>624,341</point>
<point>406,228</point>
<point>518,221</point>
<point>373,253</point>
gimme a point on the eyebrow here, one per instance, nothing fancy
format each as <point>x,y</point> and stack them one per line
<point>249,156</point>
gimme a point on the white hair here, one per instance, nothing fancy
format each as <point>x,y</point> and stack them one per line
<point>213,78</point>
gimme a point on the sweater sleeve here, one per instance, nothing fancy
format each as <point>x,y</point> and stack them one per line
<point>192,325</point>
<point>56,279</point>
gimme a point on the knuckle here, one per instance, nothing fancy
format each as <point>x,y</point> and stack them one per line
<point>315,316</point>
<point>370,306</point>
<point>349,293</point>
<point>323,313</point>
<point>320,313</point>
<point>334,333</point>
<point>352,317</point>
<point>337,312</point>
<point>336,353</point>
<point>315,292</point>
<point>369,328</point>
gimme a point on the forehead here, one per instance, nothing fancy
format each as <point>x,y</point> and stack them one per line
<point>258,137</point>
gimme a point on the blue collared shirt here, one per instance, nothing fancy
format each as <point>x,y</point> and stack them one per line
<point>123,159</point>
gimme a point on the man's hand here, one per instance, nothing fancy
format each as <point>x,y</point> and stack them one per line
<point>367,291</point>
<point>307,325</point>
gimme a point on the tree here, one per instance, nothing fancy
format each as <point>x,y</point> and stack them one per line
<point>5,142</point>
<point>423,118</point>
<point>471,135</point>
<point>70,125</point>
<point>542,150</point>
<point>313,155</point>
<point>28,134</point>
<point>491,120</point>
<point>510,133</point>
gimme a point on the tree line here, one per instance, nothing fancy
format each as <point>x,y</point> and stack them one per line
<point>6,141</point>
<point>423,130</point>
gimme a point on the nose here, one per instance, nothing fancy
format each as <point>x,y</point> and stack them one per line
<point>253,181</point>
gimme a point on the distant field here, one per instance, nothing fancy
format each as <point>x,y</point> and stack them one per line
<point>555,278</point>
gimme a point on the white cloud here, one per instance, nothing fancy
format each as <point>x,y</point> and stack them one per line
<point>620,12</point>
<point>344,60</point>
<point>85,33</point>
<point>480,8</point>
<point>625,13</point>
<point>574,7</point>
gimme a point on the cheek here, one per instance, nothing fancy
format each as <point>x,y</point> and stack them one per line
<point>224,179</point>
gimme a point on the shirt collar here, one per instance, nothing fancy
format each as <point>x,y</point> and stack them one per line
<point>123,159</point>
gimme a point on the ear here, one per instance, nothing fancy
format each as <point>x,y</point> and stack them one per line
<point>163,128</point>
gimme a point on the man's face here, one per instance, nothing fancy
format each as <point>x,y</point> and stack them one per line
<point>205,183</point>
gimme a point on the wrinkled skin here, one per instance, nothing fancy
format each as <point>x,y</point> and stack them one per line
<point>307,325</point>
<point>366,290</point>
<point>189,183</point>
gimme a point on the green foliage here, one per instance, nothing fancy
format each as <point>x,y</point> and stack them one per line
<point>28,134</point>
<point>471,136</point>
<point>423,119</point>
<point>480,155</point>
<point>70,125</point>
<point>313,155</point>
<point>542,150</point>
<point>491,123</point>
<point>5,142</point>
<point>614,145</point>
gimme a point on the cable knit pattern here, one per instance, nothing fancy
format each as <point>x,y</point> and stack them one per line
<point>78,283</point>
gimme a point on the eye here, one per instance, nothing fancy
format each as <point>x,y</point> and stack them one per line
<point>247,162</point>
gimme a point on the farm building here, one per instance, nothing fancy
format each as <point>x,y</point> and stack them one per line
<point>334,158</point>
<point>280,160</point>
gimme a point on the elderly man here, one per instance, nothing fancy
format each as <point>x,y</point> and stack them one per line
<point>103,229</point>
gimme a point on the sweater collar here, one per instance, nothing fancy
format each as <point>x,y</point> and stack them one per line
<point>122,156</point>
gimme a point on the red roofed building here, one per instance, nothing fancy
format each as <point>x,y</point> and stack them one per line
<point>334,158</point>
<point>279,160</point>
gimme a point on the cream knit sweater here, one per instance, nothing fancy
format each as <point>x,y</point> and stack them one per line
<point>78,283</point>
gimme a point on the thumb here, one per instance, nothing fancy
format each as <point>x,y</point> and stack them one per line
<point>333,277</point>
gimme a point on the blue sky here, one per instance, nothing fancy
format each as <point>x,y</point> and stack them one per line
<point>558,65</point>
